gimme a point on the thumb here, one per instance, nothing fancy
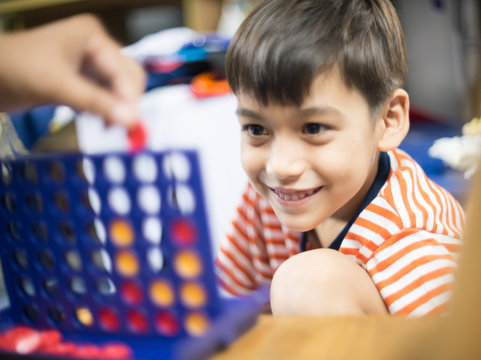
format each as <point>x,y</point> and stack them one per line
<point>85,95</point>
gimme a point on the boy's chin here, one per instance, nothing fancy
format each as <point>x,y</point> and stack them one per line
<point>296,223</point>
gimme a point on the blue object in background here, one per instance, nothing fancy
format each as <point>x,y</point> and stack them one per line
<point>33,124</point>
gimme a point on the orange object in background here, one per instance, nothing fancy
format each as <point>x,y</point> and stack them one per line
<point>207,84</point>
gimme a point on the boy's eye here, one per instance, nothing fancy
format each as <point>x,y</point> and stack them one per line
<point>254,130</point>
<point>313,128</point>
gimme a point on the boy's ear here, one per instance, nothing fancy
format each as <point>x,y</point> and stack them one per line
<point>393,121</point>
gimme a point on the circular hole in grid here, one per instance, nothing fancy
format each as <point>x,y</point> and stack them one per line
<point>114,169</point>
<point>77,286</point>
<point>177,165</point>
<point>105,286</point>
<point>56,171</point>
<point>161,293</point>
<point>61,201</point>
<point>193,294</point>
<point>182,198</point>
<point>39,230</point>
<point>30,313</point>
<point>6,174</point>
<point>119,200</point>
<point>20,258</point>
<point>86,170</point>
<point>14,230</point>
<point>50,285</point>
<point>9,202</point>
<point>108,319</point>
<point>167,323</point>
<point>121,232</point>
<point>196,323</point>
<point>148,198</point>
<point>96,231</point>
<point>29,173</point>
<point>93,201</point>
<point>67,232</point>
<point>126,263</point>
<point>131,292</point>
<point>46,259</point>
<point>145,168</point>
<point>101,260</point>
<point>34,202</point>
<point>152,230</point>
<point>155,259</point>
<point>26,286</point>
<point>84,316</point>
<point>73,260</point>
<point>56,315</point>
<point>188,264</point>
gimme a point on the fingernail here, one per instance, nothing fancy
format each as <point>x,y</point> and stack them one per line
<point>124,114</point>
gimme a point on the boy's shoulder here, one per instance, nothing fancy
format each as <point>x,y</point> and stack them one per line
<point>411,200</point>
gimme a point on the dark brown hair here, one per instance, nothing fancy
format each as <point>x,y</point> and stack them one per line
<point>284,44</point>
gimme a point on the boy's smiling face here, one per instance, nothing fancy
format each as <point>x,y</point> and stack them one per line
<point>312,162</point>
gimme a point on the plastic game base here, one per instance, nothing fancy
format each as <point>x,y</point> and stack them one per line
<point>114,248</point>
<point>237,316</point>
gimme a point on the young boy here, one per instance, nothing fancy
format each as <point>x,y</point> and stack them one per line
<point>322,112</point>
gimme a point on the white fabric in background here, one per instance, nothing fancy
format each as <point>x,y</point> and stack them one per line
<point>175,119</point>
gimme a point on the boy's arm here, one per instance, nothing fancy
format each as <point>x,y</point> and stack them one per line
<point>414,271</point>
<point>237,268</point>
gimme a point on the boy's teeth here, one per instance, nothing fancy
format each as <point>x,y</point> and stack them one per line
<point>293,197</point>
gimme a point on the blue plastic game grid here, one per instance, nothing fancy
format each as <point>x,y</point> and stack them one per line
<point>113,244</point>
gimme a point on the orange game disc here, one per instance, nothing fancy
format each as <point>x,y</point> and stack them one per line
<point>196,324</point>
<point>193,294</point>
<point>161,293</point>
<point>121,233</point>
<point>84,316</point>
<point>127,263</point>
<point>188,264</point>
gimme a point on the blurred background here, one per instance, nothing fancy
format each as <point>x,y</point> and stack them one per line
<point>443,38</point>
<point>444,82</point>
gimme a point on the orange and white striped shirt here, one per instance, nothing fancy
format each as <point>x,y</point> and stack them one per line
<point>407,238</point>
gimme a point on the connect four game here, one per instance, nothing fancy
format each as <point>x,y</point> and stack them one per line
<point>108,256</point>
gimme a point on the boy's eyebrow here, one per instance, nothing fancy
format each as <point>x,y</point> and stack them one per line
<point>248,113</point>
<point>319,111</point>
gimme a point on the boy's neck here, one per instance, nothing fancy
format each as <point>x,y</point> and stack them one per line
<point>324,234</point>
<point>329,229</point>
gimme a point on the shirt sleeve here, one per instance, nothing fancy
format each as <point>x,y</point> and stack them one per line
<point>414,272</point>
<point>236,263</point>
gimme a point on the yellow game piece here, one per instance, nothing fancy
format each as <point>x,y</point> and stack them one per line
<point>84,316</point>
<point>196,324</point>
<point>187,264</point>
<point>193,295</point>
<point>161,293</point>
<point>121,233</point>
<point>126,263</point>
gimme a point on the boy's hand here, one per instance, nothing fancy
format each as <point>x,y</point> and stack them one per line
<point>72,62</point>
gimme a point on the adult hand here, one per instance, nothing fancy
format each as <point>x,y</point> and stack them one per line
<point>72,62</point>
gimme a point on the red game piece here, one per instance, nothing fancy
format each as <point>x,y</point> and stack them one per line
<point>132,292</point>
<point>167,323</point>
<point>108,319</point>
<point>22,340</point>
<point>137,137</point>
<point>184,232</point>
<point>60,349</point>
<point>137,321</point>
<point>117,351</point>
<point>87,351</point>
<point>49,338</point>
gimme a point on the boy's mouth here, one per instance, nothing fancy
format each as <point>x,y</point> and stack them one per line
<point>294,195</point>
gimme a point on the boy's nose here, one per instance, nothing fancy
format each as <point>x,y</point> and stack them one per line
<point>284,163</point>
